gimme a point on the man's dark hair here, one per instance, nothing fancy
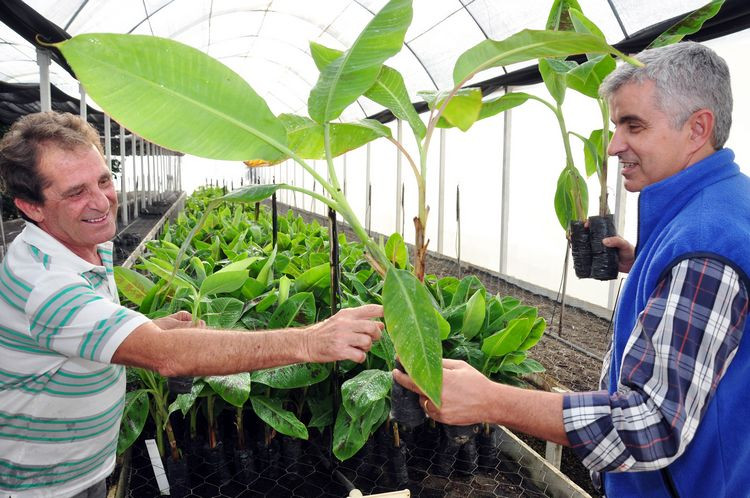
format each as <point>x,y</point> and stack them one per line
<point>22,147</point>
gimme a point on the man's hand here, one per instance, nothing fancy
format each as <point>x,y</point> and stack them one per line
<point>465,391</point>
<point>179,320</point>
<point>347,335</point>
<point>625,250</point>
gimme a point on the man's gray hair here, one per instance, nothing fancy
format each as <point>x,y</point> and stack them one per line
<point>688,76</point>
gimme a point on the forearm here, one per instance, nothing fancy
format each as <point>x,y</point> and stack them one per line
<point>537,413</point>
<point>196,352</point>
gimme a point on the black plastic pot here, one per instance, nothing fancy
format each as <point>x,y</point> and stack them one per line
<point>604,260</point>
<point>488,440</point>
<point>179,385</point>
<point>405,408</point>
<point>459,435</point>
<point>216,461</point>
<point>244,464</point>
<point>179,477</point>
<point>580,246</point>
<point>399,470</point>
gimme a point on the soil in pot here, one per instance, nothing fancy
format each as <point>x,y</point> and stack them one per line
<point>459,435</point>
<point>405,408</point>
<point>580,246</point>
<point>604,260</point>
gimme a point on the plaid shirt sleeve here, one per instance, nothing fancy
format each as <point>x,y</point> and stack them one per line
<point>689,332</point>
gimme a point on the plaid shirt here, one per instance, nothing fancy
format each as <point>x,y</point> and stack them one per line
<point>688,333</point>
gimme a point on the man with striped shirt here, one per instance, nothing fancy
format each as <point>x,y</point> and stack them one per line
<point>672,417</point>
<point>64,336</point>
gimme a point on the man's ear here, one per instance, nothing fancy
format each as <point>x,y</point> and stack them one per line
<point>701,127</point>
<point>31,209</point>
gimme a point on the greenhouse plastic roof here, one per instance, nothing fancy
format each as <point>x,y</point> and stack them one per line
<point>267,41</point>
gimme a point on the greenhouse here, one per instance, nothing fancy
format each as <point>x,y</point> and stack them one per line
<point>374,248</point>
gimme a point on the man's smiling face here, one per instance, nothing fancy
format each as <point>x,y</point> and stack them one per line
<point>649,148</point>
<point>80,202</point>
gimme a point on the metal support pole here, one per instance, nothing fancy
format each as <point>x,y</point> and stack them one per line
<point>108,141</point>
<point>368,190</point>
<point>136,186</point>
<point>141,153</point>
<point>399,211</point>
<point>45,96</point>
<point>619,215</point>
<point>82,107</point>
<point>123,185</point>
<point>505,192</point>
<point>149,174</point>
<point>441,193</point>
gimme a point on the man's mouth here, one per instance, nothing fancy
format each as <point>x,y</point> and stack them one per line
<point>96,220</point>
<point>627,166</point>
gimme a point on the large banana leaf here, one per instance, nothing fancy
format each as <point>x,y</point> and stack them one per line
<point>342,81</point>
<point>411,321</point>
<point>389,89</point>
<point>234,389</point>
<point>350,433</point>
<point>463,108</point>
<point>176,96</point>
<point>368,387</point>
<point>527,45</point>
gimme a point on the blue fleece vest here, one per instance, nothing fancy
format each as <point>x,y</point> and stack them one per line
<point>702,210</point>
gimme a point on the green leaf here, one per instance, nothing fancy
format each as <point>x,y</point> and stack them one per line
<point>265,275</point>
<point>317,277</point>
<point>252,288</point>
<point>224,312</point>
<point>587,77</point>
<point>583,24</point>
<point>554,74</point>
<point>252,193</point>
<point>198,268</point>
<point>223,282</point>
<point>284,285</point>
<point>411,321</point>
<point>462,109</point>
<point>565,196</point>
<point>157,269</point>
<point>346,78</point>
<point>537,330</point>
<point>270,411</point>
<point>164,91</point>
<point>690,24</point>
<point>559,18</point>
<point>443,326</point>
<point>491,107</point>
<point>292,376</point>
<point>134,417</point>
<point>132,284</point>
<point>388,90</point>
<point>528,45</point>
<point>395,250</point>
<point>321,411</point>
<point>474,315</point>
<point>359,393</point>
<point>509,339</point>
<point>234,389</point>
<point>297,310</point>
<point>351,433</point>
<point>240,265</point>
<point>384,349</point>
<point>184,402</point>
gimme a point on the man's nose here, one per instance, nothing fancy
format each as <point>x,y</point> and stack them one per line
<point>616,144</point>
<point>100,200</point>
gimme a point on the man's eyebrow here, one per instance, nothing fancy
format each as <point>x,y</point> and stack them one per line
<point>72,190</point>
<point>628,118</point>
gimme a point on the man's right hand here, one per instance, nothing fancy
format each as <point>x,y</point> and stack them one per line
<point>625,251</point>
<point>347,335</point>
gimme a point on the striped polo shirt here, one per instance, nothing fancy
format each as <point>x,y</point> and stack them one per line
<point>61,400</point>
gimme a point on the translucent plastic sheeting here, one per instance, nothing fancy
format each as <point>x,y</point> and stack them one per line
<point>267,41</point>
